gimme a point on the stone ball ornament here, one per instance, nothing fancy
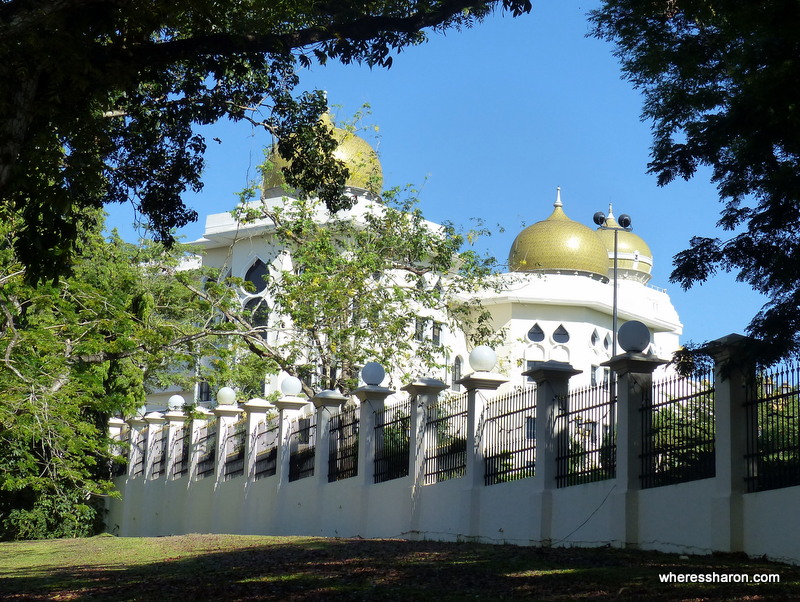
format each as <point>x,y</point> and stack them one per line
<point>482,358</point>
<point>226,396</point>
<point>176,402</point>
<point>634,337</point>
<point>291,386</point>
<point>373,373</point>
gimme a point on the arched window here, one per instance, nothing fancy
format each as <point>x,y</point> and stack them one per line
<point>595,338</point>
<point>258,311</point>
<point>456,374</point>
<point>536,334</point>
<point>257,275</point>
<point>561,335</point>
<point>607,342</point>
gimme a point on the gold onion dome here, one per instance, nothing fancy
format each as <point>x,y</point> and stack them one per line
<point>559,244</point>
<point>633,254</point>
<point>356,153</point>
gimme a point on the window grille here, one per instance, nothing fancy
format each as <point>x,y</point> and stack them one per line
<point>207,449</point>
<point>392,436</point>
<point>343,450</point>
<point>446,439</point>
<point>678,431</point>
<point>266,449</point>
<point>772,412</point>
<point>509,435</point>
<point>302,441</point>
<point>585,427</point>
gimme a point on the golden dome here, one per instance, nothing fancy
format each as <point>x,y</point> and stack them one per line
<point>356,153</point>
<point>633,254</point>
<point>558,244</point>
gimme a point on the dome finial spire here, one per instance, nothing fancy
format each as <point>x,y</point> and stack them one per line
<point>558,197</point>
<point>610,211</point>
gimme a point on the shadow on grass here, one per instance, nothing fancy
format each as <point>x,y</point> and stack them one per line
<point>353,569</point>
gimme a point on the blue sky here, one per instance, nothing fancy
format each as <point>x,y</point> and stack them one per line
<point>487,122</point>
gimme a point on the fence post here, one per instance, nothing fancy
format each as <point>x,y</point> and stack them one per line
<point>730,441</point>
<point>424,392</point>
<point>325,403</point>
<point>373,399</point>
<point>227,413</point>
<point>175,419</point>
<point>256,410</point>
<point>634,371</point>
<point>552,385</point>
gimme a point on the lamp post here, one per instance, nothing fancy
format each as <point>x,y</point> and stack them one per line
<point>624,224</point>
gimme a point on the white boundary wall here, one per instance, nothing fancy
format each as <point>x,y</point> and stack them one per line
<point>703,516</point>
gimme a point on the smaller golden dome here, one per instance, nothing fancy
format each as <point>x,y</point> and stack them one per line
<point>633,254</point>
<point>558,244</point>
<point>356,153</point>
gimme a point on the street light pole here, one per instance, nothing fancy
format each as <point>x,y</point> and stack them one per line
<point>624,222</point>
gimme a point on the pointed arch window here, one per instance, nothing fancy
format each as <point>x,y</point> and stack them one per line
<point>561,335</point>
<point>595,338</point>
<point>257,275</point>
<point>258,311</point>
<point>536,334</point>
<point>457,367</point>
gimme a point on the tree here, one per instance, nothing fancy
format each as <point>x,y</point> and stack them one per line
<point>76,352</point>
<point>352,287</point>
<point>718,78</point>
<point>99,99</point>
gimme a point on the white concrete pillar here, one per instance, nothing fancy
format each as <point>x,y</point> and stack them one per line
<point>731,376</point>
<point>552,386</point>
<point>634,380</point>
<point>480,386</point>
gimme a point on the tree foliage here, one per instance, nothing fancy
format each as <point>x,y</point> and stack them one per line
<point>349,288</point>
<point>719,81</point>
<point>100,98</point>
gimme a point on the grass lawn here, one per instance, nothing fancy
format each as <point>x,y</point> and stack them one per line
<point>241,567</point>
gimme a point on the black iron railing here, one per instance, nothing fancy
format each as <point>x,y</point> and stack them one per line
<point>773,429</point>
<point>678,430</point>
<point>302,441</point>
<point>343,445</point>
<point>392,436</point>
<point>266,449</point>
<point>585,431</point>
<point>159,450</point>
<point>139,454</point>
<point>207,450</point>
<point>446,439</point>
<point>509,435</point>
<point>180,451</point>
<point>234,451</point>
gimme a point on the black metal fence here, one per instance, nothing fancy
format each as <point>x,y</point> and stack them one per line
<point>139,454</point>
<point>302,441</point>
<point>266,448</point>
<point>234,450</point>
<point>678,430</point>
<point>392,436</point>
<point>180,451</point>
<point>159,450</point>
<point>446,439</point>
<point>509,435</point>
<point>773,429</point>
<point>207,450</point>
<point>586,447</point>
<point>343,445</point>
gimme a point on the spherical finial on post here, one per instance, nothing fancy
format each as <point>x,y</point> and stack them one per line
<point>226,396</point>
<point>176,402</point>
<point>482,358</point>
<point>373,373</point>
<point>634,337</point>
<point>291,386</point>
